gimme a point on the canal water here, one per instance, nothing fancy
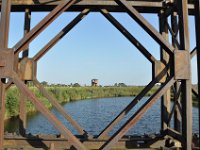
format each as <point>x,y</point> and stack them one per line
<point>94,114</point>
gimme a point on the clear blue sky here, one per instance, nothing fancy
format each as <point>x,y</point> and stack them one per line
<point>93,49</point>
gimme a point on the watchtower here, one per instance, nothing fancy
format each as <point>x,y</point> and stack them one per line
<point>94,82</point>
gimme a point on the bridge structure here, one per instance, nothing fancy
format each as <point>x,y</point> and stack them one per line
<point>172,71</point>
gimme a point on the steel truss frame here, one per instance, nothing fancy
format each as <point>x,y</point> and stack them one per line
<point>173,70</point>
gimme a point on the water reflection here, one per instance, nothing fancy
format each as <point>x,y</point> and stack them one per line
<point>93,115</point>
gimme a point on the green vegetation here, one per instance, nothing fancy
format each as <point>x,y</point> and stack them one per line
<point>67,94</point>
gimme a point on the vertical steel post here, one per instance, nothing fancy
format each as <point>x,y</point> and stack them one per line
<point>197,23</point>
<point>186,83</point>
<point>165,99</point>
<point>177,115</point>
<point>2,112</point>
<point>4,29</point>
<point>27,26</point>
<point>22,114</point>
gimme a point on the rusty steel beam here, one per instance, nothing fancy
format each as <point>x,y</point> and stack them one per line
<point>147,3</point>
<point>23,99</point>
<point>61,34</point>
<point>186,83</point>
<point>177,111</point>
<point>173,110</point>
<point>129,36</point>
<point>133,103</point>
<point>197,25</point>
<point>166,98</point>
<point>146,26</point>
<point>174,32</point>
<point>136,117</point>
<point>2,113</point>
<point>48,5</point>
<point>41,108</point>
<point>4,24</point>
<point>143,6</point>
<point>27,27</point>
<point>44,142</point>
<point>4,30</point>
<point>22,44</point>
<point>60,109</point>
<point>176,44</point>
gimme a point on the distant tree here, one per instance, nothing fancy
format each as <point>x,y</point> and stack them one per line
<point>44,83</point>
<point>115,84</point>
<point>122,85</point>
<point>76,85</point>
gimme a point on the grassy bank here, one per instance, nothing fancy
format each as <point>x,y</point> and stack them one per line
<point>67,94</point>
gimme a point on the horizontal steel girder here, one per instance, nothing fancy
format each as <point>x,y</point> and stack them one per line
<point>143,6</point>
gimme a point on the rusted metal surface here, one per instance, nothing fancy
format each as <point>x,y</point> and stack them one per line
<point>4,24</point>
<point>6,62</point>
<point>45,141</point>
<point>172,70</point>
<point>26,73</point>
<point>158,66</point>
<point>143,6</point>
<point>176,102</point>
<point>176,44</point>
<point>27,69</point>
<point>186,83</point>
<point>48,5</point>
<point>41,108</point>
<point>181,68</point>
<point>165,59</point>
<point>2,113</point>
<point>27,27</point>
<point>22,44</point>
<point>4,30</point>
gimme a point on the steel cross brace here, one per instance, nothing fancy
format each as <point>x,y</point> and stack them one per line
<point>41,108</point>
<point>128,35</point>
<point>146,26</point>
<point>42,52</point>
<point>67,134</point>
<point>60,109</point>
<point>136,116</point>
<point>133,103</point>
<point>22,44</point>
<point>133,13</point>
<point>185,83</point>
<point>61,34</point>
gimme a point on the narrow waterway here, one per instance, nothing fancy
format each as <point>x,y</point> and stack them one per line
<point>94,114</point>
